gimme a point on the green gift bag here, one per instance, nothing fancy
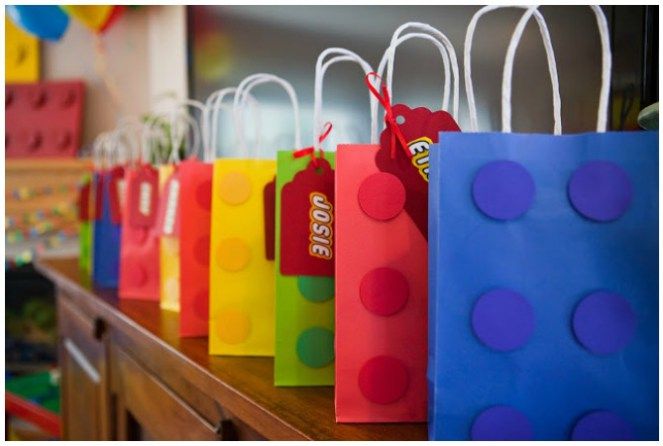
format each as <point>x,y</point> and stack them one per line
<point>85,223</point>
<point>304,190</point>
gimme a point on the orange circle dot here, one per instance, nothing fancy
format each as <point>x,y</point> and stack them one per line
<point>233,325</point>
<point>233,254</point>
<point>235,188</point>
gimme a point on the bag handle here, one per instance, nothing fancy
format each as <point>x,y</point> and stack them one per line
<point>447,52</point>
<point>341,55</point>
<point>129,125</point>
<point>507,75</point>
<point>98,159</point>
<point>245,87</point>
<point>214,105</point>
<point>180,123</point>
<point>552,67</point>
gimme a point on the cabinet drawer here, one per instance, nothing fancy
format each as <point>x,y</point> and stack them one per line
<point>160,413</point>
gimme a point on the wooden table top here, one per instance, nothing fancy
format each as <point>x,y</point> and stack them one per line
<point>297,412</point>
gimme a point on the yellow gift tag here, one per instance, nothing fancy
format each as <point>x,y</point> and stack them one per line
<point>169,258</point>
<point>241,277</point>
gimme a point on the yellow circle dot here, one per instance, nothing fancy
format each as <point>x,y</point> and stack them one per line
<point>233,254</point>
<point>233,325</point>
<point>235,188</point>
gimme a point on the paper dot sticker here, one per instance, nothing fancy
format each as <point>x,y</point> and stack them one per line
<point>136,274</point>
<point>233,326</point>
<point>204,195</point>
<point>201,304</point>
<point>503,319</point>
<point>501,423</point>
<point>201,250</point>
<point>315,347</point>
<point>602,425</point>
<point>138,235</point>
<point>234,188</point>
<point>233,254</point>
<point>384,291</point>
<point>600,191</point>
<point>381,196</point>
<point>383,380</point>
<point>604,322</point>
<point>503,190</point>
<point>316,288</point>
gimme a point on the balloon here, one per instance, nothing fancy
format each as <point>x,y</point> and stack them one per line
<point>112,17</point>
<point>92,16</point>
<point>45,22</point>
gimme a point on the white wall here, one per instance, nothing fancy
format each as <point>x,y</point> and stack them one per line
<point>146,58</point>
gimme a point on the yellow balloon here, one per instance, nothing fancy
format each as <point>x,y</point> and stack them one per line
<point>92,16</point>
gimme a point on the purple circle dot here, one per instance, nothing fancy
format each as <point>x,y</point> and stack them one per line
<point>604,322</point>
<point>600,190</point>
<point>503,190</point>
<point>501,423</point>
<point>503,319</point>
<point>602,425</point>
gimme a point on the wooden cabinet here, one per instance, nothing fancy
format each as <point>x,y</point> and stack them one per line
<point>84,369</point>
<point>127,375</point>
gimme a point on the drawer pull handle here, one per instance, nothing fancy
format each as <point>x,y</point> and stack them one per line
<point>225,430</point>
<point>99,328</point>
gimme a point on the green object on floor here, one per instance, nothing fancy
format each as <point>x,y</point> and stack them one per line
<point>42,388</point>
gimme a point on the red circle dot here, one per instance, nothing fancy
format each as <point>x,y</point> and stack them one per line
<point>200,304</point>
<point>201,250</point>
<point>382,196</point>
<point>384,291</point>
<point>383,379</point>
<point>204,195</point>
<point>136,274</point>
<point>138,235</point>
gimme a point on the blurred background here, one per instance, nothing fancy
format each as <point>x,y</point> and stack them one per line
<point>122,60</point>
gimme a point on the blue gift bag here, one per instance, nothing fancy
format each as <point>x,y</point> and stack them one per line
<point>106,239</point>
<point>544,286</point>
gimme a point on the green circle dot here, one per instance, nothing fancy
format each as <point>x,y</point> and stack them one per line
<point>316,288</point>
<point>315,347</point>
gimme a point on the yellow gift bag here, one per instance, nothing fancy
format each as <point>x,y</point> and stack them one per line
<point>169,245</point>
<point>241,258</point>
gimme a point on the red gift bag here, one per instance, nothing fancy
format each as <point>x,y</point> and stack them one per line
<point>139,244</point>
<point>381,259</point>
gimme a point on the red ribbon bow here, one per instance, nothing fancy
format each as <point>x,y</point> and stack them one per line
<point>390,119</point>
<point>326,130</point>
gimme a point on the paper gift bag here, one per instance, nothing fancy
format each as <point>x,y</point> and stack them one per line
<point>85,219</point>
<point>139,250</point>
<point>194,238</point>
<point>545,254</point>
<point>169,251</point>
<point>107,230</point>
<point>381,259</point>
<point>305,303</point>
<point>241,267</point>
<point>304,251</point>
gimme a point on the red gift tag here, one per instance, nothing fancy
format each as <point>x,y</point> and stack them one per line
<point>168,221</point>
<point>99,194</point>
<point>142,196</point>
<point>116,193</point>
<point>269,207</point>
<point>420,128</point>
<point>84,201</point>
<point>307,222</point>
